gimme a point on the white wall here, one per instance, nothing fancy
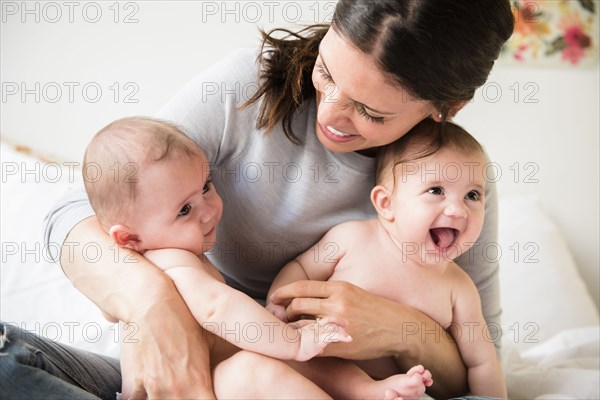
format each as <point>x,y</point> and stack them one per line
<point>541,123</point>
<point>544,138</point>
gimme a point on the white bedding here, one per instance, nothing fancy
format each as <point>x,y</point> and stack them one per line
<point>550,324</point>
<point>563,367</point>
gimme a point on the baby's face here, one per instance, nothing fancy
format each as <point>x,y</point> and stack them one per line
<point>177,205</point>
<point>438,205</point>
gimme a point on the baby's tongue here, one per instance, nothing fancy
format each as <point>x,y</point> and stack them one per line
<point>443,237</point>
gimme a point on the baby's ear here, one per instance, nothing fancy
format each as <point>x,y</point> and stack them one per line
<point>382,200</point>
<point>124,236</point>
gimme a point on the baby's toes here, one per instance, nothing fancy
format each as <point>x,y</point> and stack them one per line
<point>427,378</point>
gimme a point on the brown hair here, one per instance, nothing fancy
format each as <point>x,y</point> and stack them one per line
<point>439,50</point>
<point>286,76</point>
<point>118,152</point>
<point>425,139</point>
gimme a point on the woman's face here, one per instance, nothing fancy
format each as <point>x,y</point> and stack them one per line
<point>357,108</point>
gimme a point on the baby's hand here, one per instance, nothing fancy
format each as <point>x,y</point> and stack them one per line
<point>316,335</point>
<point>278,311</point>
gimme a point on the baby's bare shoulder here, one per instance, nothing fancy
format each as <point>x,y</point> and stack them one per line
<point>461,283</point>
<point>354,228</point>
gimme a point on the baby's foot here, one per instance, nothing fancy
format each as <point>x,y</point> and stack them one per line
<point>408,386</point>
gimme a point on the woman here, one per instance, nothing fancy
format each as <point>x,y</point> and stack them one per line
<point>292,140</point>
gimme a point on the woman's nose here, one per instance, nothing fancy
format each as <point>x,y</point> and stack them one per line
<point>332,105</point>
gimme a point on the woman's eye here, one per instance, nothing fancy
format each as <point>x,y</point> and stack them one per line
<point>435,191</point>
<point>361,108</point>
<point>474,195</point>
<point>185,210</point>
<point>323,73</point>
<point>369,117</point>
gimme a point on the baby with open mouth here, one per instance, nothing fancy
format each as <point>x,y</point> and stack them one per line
<point>430,203</point>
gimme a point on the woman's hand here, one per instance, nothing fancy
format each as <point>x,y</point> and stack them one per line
<point>165,355</point>
<point>373,322</point>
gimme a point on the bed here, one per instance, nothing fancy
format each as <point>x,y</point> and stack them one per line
<point>550,342</point>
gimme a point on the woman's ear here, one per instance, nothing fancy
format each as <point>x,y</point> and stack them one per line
<point>439,117</point>
<point>382,200</point>
<point>124,236</point>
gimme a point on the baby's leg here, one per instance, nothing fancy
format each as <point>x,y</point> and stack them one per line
<point>343,379</point>
<point>247,375</point>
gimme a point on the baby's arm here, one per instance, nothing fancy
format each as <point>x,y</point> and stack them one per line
<point>474,342</point>
<point>237,318</point>
<point>316,263</point>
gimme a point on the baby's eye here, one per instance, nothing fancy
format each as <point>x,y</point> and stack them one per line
<point>185,210</point>
<point>473,195</point>
<point>436,190</point>
<point>206,187</point>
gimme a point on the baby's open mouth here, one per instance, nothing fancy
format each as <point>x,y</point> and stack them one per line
<point>443,237</point>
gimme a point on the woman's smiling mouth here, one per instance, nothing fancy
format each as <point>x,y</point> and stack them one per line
<point>334,135</point>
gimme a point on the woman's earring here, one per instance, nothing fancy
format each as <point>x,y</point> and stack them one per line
<point>440,116</point>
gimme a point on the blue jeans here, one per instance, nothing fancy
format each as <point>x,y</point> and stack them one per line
<point>32,367</point>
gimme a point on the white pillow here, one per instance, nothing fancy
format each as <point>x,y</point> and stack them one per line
<point>542,291</point>
<point>35,294</point>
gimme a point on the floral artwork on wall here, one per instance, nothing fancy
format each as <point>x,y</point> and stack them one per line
<point>553,33</point>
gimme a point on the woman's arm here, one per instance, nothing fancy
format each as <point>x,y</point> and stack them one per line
<point>166,356</point>
<point>380,328</point>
